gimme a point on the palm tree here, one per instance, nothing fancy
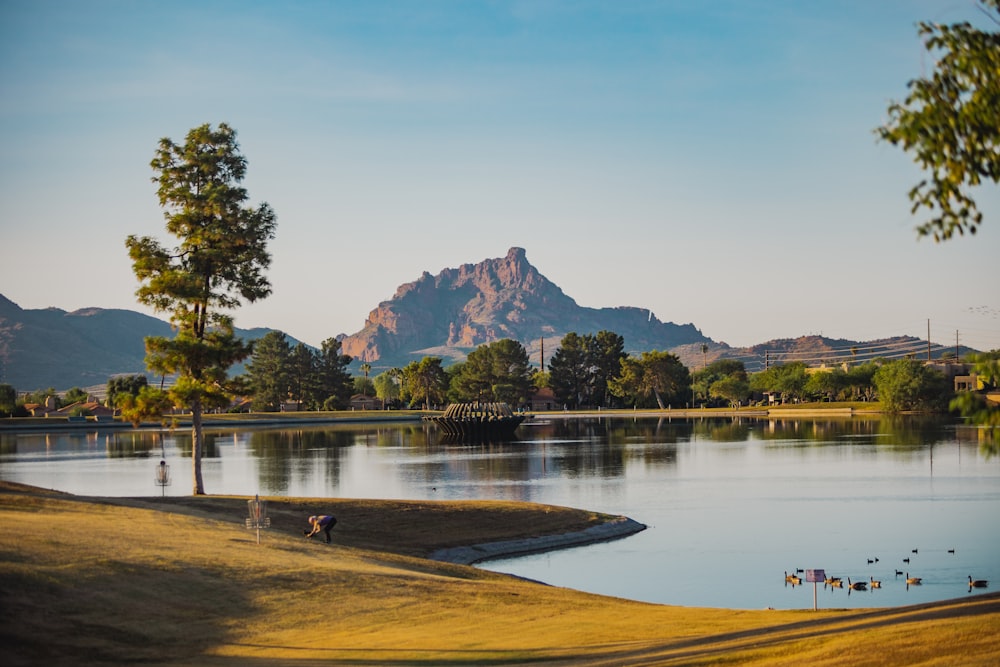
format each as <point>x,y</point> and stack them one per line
<point>704,352</point>
<point>365,368</point>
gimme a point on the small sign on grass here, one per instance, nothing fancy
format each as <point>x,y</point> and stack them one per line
<point>815,576</point>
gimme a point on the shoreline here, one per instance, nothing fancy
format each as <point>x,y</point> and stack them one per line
<point>618,528</point>
<point>415,416</point>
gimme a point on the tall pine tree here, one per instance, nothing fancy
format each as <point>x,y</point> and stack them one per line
<point>219,262</point>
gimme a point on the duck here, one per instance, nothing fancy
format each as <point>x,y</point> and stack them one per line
<point>906,560</point>
<point>899,572</point>
<point>951,551</point>
<point>792,579</point>
<point>875,584</point>
<point>913,580</point>
<point>977,583</point>
<point>857,585</point>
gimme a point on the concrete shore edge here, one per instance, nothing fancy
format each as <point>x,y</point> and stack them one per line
<point>617,528</point>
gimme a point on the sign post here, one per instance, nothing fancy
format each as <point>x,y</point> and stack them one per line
<point>815,576</point>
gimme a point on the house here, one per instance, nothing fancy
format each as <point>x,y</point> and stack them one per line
<point>93,408</point>
<point>362,402</point>
<point>41,409</point>
<point>241,405</point>
<point>543,399</point>
<point>967,383</point>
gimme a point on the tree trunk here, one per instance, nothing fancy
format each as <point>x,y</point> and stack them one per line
<point>196,447</point>
<point>659,401</point>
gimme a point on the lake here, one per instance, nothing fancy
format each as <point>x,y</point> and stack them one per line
<point>730,504</point>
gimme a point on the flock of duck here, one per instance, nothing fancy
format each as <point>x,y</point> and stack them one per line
<point>837,582</point>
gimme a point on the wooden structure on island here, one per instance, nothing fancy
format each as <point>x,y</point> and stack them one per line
<point>477,422</point>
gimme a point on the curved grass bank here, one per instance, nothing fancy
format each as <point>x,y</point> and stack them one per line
<point>181,581</point>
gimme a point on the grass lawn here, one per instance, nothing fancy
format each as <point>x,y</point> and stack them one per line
<point>181,581</point>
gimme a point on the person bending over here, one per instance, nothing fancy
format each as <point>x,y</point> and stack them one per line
<point>322,522</point>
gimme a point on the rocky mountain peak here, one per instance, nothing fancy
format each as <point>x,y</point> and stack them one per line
<point>506,297</point>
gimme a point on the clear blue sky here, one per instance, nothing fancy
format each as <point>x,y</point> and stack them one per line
<point>712,161</point>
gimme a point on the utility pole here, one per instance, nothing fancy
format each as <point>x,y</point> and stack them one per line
<point>956,346</point>
<point>543,354</point>
<point>928,339</point>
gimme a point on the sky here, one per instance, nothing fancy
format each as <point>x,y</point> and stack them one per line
<point>715,162</point>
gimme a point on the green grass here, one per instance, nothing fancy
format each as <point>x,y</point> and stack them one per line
<point>181,581</point>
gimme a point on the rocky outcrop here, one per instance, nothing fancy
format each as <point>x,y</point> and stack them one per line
<point>461,308</point>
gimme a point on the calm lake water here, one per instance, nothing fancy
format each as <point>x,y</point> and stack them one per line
<point>730,504</point>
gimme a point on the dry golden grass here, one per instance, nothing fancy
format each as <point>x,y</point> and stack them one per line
<point>182,582</point>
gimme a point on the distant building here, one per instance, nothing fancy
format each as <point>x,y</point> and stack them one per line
<point>967,383</point>
<point>41,409</point>
<point>543,399</point>
<point>93,408</point>
<point>362,402</point>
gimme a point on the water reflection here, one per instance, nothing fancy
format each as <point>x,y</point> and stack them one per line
<point>757,496</point>
<point>566,444</point>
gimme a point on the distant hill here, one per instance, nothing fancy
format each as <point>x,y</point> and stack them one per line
<point>445,315</point>
<point>54,348</point>
<point>458,309</point>
<point>817,351</point>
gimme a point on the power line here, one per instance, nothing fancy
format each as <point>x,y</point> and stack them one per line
<point>838,356</point>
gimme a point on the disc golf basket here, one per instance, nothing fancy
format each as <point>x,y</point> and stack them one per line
<point>162,477</point>
<point>258,515</point>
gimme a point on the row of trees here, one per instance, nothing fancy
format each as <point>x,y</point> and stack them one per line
<point>588,371</point>
<point>499,371</point>
<point>593,371</point>
<point>278,372</point>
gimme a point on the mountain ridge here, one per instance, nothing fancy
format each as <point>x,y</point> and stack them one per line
<point>445,315</point>
<point>506,297</point>
<point>52,347</point>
